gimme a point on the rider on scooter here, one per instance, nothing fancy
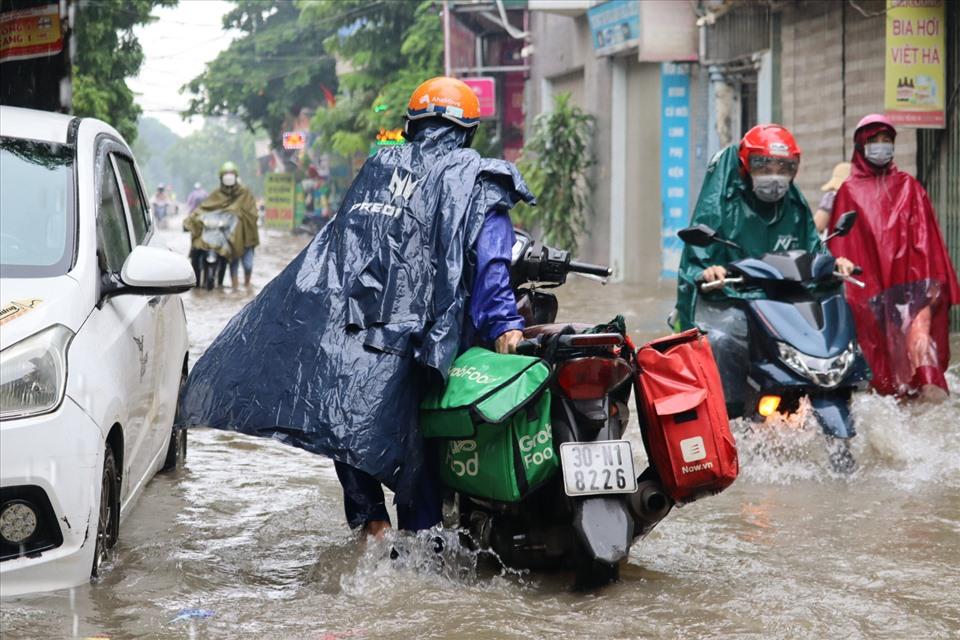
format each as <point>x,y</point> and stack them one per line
<point>748,197</point>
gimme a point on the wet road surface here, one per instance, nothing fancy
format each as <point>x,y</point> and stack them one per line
<point>249,540</point>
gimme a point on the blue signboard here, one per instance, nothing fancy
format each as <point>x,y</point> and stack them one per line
<point>674,162</point>
<point>614,25</point>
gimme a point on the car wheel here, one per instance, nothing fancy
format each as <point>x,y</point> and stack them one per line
<point>177,449</point>
<point>108,523</point>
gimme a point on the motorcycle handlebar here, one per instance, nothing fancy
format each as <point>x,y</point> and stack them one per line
<point>590,269</point>
<point>719,284</point>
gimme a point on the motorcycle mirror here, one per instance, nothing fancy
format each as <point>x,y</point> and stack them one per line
<point>699,235</point>
<point>523,240</point>
<point>845,223</point>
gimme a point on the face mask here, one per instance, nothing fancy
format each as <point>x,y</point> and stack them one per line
<point>228,179</point>
<point>878,153</point>
<point>771,188</point>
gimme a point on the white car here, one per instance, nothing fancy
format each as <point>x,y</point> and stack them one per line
<point>93,347</point>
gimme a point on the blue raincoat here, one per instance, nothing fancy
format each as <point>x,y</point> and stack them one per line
<point>335,353</point>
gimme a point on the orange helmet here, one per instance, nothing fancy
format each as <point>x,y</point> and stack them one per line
<point>445,98</point>
<point>770,142</point>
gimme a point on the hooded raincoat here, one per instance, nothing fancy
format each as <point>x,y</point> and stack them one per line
<point>335,353</point>
<point>236,199</point>
<point>902,315</point>
<point>728,205</point>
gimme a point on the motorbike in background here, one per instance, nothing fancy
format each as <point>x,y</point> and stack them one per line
<point>587,516</point>
<point>802,339</point>
<point>210,261</point>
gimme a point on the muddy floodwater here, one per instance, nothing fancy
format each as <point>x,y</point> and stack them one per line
<point>249,539</point>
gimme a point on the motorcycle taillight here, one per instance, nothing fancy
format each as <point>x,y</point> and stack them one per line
<point>591,378</point>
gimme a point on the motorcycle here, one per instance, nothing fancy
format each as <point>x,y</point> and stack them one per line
<point>218,226</point>
<point>162,210</point>
<point>802,335</point>
<point>588,515</point>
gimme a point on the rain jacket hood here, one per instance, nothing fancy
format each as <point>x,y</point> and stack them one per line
<point>335,353</point>
<point>728,205</point>
<point>910,279</point>
<point>238,200</point>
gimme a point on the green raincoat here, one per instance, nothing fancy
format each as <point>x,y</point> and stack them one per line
<point>237,199</point>
<point>727,204</point>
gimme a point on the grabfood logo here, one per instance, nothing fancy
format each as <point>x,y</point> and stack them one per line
<point>472,374</point>
<point>402,187</point>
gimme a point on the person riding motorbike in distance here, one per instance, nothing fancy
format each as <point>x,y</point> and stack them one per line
<point>335,353</point>
<point>748,197</point>
<point>237,199</point>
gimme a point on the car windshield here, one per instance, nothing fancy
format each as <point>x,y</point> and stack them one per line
<point>36,208</point>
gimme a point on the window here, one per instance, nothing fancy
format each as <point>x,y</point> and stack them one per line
<point>114,239</point>
<point>36,208</point>
<point>139,212</point>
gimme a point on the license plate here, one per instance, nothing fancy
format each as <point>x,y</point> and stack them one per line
<point>591,468</point>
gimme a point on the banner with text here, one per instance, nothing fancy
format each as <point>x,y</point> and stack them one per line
<point>30,33</point>
<point>614,25</point>
<point>914,83</point>
<point>278,199</point>
<point>674,162</point>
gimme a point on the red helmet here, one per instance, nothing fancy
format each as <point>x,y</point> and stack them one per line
<point>870,125</point>
<point>768,141</point>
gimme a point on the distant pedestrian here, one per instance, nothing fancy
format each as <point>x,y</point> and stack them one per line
<point>821,217</point>
<point>195,197</point>
<point>902,315</point>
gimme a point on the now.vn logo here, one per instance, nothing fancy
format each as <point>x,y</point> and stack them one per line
<point>693,450</point>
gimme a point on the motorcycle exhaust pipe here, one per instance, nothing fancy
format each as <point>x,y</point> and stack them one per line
<point>649,505</point>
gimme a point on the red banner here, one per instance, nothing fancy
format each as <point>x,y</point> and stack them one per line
<point>30,33</point>
<point>486,90</point>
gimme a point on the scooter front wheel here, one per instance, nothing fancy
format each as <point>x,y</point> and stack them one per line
<point>840,456</point>
<point>591,574</point>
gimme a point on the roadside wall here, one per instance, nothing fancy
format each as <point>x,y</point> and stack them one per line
<point>831,68</point>
<point>564,62</point>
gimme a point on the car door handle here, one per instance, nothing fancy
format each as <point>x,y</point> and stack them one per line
<point>154,301</point>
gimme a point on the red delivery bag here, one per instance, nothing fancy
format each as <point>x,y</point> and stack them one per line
<point>688,435</point>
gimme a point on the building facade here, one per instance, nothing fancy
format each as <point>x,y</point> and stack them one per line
<point>815,66</point>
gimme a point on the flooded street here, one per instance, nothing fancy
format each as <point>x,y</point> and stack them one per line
<point>249,539</point>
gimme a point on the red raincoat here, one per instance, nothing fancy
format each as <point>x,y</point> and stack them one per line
<point>902,315</point>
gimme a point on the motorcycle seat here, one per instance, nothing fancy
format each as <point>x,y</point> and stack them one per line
<point>554,328</point>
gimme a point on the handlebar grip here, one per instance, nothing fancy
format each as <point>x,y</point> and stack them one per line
<point>528,347</point>
<point>713,285</point>
<point>590,269</point>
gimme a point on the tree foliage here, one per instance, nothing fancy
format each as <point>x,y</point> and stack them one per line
<point>556,162</point>
<point>198,156</point>
<point>270,72</point>
<point>389,47</point>
<point>154,140</point>
<point>107,54</point>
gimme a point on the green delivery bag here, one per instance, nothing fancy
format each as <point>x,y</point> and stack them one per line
<point>494,417</point>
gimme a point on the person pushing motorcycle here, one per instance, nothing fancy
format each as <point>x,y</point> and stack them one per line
<point>335,354</point>
<point>238,200</point>
<point>748,197</point>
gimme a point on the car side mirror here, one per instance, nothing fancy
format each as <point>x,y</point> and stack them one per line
<point>151,271</point>
<point>698,235</point>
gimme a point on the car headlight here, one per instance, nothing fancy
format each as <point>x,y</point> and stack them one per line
<point>33,373</point>
<point>826,372</point>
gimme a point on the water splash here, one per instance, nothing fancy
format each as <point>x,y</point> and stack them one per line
<point>906,442</point>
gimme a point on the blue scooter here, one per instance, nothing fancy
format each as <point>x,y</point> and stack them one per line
<point>802,336</point>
